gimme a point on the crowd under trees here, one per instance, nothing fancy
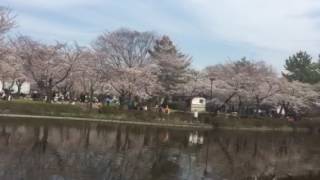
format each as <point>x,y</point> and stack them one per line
<point>149,69</point>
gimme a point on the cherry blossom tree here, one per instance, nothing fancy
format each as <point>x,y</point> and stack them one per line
<point>262,81</point>
<point>7,74</point>
<point>6,20</point>
<point>46,65</point>
<point>197,84</point>
<point>12,73</point>
<point>90,74</point>
<point>244,83</point>
<point>227,84</point>
<point>6,24</point>
<point>295,98</point>
<point>317,87</point>
<point>11,69</point>
<point>68,88</point>
<point>126,62</point>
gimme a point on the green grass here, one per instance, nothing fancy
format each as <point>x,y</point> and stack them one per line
<point>39,108</point>
<point>145,115</point>
<point>111,112</point>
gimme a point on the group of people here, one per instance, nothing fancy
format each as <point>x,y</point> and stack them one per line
<point>5,96</point>
<point>163,109</point>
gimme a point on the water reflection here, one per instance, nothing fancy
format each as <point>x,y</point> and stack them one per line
<point>114,152</point>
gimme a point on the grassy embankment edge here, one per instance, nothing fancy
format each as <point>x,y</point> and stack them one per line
<point>32,109</point>
<point>80,113</point>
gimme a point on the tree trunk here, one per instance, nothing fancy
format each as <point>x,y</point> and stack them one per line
<point>91,97</point>
<point>258,105</point>
<point>49,91</point>
<point>8,91</point>
<point>87,138</point>
<point>225,102</point>
<point>19,89</point>
<point>19,84</point>
<point>122,101</point>
<point>49,95</point>
<point>285,108</point>
<point>240,106</point>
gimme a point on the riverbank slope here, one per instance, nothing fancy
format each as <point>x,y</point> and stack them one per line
<point>38,110</point>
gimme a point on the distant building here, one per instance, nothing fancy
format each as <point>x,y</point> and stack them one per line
<point>25,88</point>
<point>198,104</point>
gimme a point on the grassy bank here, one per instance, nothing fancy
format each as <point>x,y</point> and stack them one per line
<point>28,118</point>
<point>40,108</point>
<point>222,121</point>
<point>106,113</point>
<point>81,110</point>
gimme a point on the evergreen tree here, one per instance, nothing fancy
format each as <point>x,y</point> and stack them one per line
<point>173,65</point>
<point>301,68</point>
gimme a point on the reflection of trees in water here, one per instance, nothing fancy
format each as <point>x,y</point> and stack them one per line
<point>29,161</point>
<point>41,139</point>
<point>130,153</point>
<point>5,135</point>
<point>241,155</point>
<point>141,159</point>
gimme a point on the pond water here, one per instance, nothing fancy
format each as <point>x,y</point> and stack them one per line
<point>88,151</point>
